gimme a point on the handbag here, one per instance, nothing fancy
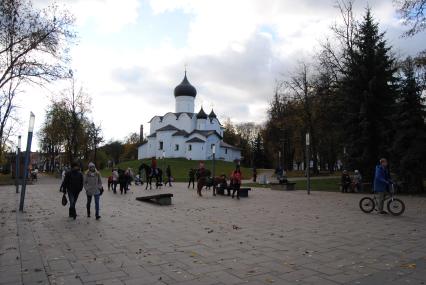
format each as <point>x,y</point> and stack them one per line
<point>101,191</point>
<point>64,200</point>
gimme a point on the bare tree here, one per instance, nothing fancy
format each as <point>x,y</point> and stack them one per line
<point>33,49</point>
<point>301,86</point>
<point>339,49</point>
<point>78,104</point>
<point>413,14</point>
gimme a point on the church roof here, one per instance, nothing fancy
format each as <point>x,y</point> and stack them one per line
<point>195,140</point>
<point>154,135</point>
<point>212,115</point>
<point>181,113</point>
<point>201,114</point>
<point>227,145</point>
<point>205,133</point>
<point>185,88</point>
<point>180,133</point>
<point>177,115</point>
<point>167,128</point>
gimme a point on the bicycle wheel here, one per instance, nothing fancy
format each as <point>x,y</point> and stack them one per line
<point>396,207</point>
<point>366,205</point>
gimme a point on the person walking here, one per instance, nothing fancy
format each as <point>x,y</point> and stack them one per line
<point>73,184</point>
<point>254,174</point>
<point>128,175</point>
<point>169,176</point>
<point>191,175</point>
<point>201,178</point>
<point>110,182</point>
<point>122,180</point>
<point>236,178</point>
<point>357,181</point>
<point>346,181</point>
<point>114,180</point>
<point>93,187</point>
<point>382,182</point>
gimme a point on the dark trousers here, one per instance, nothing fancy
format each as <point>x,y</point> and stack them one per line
<point>110,183</point>
<point>169,181</point>
<point>72,198</point>
<point>191,180</point>
<point>123,187</point>
<point>236,188</point>
<point>345,187</point>
<point>114,186</point>
<point>89,202</point>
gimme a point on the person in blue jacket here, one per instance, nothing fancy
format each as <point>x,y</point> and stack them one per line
<point>382,183</point>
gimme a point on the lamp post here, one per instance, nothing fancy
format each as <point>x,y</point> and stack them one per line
<point>308,165</point>
<point>18,155</point>
<point>27,161</point>
<point>214,159</point>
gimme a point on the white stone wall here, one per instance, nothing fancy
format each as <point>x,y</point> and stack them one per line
<point>184,104</point>
<point>201,124</point>
<point>198,151</point>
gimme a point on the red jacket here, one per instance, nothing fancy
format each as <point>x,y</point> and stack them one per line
<point>236,177</point>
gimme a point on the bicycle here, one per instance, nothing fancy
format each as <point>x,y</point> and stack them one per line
<point>394,205</point>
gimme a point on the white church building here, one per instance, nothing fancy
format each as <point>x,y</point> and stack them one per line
<point>185,134</point>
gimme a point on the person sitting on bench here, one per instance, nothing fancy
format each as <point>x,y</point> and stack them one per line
<point>223,185</point>
<point>236,178</point>
<point>280,173</point>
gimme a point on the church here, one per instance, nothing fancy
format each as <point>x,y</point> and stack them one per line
<point>185,134</point>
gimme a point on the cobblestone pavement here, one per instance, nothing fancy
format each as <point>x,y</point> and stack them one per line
<point>272,237</point>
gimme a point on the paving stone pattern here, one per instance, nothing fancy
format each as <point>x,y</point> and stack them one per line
<point>272,237</point>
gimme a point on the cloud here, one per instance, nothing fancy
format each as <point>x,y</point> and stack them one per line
<point>235,50</point>
<point>106,16</point>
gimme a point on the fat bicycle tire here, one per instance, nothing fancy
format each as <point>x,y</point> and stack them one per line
<point>367,205</point>
<point>396,207</point>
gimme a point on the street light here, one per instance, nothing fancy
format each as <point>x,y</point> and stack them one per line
<point>308,164</point>
<point>27,160</point>
<point>17,162</point>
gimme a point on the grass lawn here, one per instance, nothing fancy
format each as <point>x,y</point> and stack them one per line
<point>180,167</point>
<point>330,184</point>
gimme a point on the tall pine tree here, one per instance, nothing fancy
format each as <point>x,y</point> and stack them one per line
<point>409,147</point>
<point>367,95</point>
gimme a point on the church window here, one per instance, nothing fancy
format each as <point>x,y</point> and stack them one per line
<point>176,147</point>
<point>190,147</point>
<point>160,147</point>
<point>226,151</point>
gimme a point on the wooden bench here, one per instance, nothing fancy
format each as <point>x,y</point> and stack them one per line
<point>289,186</point>
<point>244,192</point>
<point>160,199</point>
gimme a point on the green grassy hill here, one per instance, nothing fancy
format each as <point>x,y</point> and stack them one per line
<point>180,167</point>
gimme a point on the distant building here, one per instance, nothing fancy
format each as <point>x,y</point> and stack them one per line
<point>187,134</point>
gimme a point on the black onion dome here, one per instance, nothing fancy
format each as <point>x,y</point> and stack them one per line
<point>185,88</point>
<point>212,115</point>
<point>201,114</point>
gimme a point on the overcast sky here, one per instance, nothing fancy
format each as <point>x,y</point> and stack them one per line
<point>131,54</point>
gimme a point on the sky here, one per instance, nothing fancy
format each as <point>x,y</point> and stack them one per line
<point>130,55</point>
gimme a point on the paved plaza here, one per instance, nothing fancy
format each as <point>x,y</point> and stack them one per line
<point>272,237</point>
